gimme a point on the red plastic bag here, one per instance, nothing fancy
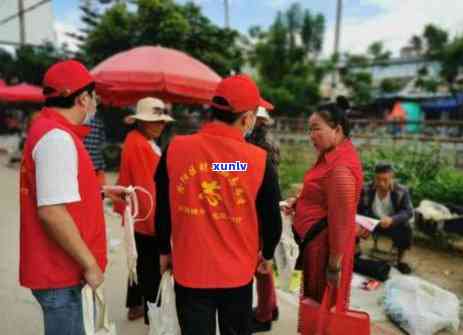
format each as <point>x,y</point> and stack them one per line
<point>317,319</point>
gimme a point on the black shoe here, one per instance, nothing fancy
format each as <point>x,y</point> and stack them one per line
<point>258,327</point>
<point>275,314</point>
<point>404,268</point>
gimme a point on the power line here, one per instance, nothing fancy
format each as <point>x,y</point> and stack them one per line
<point>16,43</point>
<point>28,9</point>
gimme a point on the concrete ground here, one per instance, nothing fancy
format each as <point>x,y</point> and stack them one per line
<point>21,315</point>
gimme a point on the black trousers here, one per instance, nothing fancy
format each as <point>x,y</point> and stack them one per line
<point>401,235</point>
<point>197,310</point>
<point>148,273</point>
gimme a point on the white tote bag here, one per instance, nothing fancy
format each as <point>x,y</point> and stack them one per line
<point>163,313</point>
<point>95,312</point>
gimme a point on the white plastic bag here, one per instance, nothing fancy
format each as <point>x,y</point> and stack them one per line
<point>130,217</point>
<point>95,313</point>
<point>421,308</point>
<point>163,313</point>
<point>286,254</point>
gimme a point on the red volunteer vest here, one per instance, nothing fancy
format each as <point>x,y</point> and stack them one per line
<point>138,165</point>
<point>214,220</point>
<point>43,264</point>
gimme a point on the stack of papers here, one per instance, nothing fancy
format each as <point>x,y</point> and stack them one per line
<point>366,222</point>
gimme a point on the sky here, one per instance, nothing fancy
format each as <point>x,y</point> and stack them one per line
<point>364,21</point>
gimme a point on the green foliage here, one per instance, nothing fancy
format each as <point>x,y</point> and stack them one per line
<point>449,53</point>
<point>31,63</point>
<point>296,159</point>
<point>422,167</point>
<point>356,75</point>
<point>165,23</point>
<point>7,66</point>
<point>115,32</point>
<point>285,58</point>
<point>377,53</point>
<point>436,39</point>
<point>390,85</point>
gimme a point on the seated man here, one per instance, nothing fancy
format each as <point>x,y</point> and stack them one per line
<point>389,202</point>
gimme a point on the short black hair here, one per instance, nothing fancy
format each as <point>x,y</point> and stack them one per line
<point>226,116</point>
<point>384,167</point>
<point>65,102</point>
<point>334,116</point>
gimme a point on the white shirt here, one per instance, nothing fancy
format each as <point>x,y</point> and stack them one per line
<point>383,207</point>
<point>156,148</point>
<point>56,169</point>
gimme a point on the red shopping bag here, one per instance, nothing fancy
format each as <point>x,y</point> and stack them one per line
<point>317,319</point>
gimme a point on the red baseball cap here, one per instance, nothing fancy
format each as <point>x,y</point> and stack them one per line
<point>241,93</point>
<point>65,78</point>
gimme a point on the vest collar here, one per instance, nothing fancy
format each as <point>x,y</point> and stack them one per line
<point>80,131</point>
<point>223,130</point>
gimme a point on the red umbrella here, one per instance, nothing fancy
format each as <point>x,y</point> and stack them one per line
<point>2,83</point>
<point>161,72</point>
<point>21,93</point>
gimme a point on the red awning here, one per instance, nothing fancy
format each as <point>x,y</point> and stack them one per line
<point>154,71</point>
<point>21,93</point>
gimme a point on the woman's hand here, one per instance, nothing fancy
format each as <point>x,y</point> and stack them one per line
<point>333,276</point>
<point>289,206</point>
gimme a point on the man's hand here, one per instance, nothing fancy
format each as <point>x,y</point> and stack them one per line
<point>264,266</point>
<point>165,262</point>
<point>115,195</point>
<point>94,276</point>
<point>385,222</point>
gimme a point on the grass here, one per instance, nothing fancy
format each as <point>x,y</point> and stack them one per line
<point>295,161</point>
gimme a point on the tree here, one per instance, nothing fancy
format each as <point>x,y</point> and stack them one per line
<point>114,33</point>
<point>452,62</point>
<point>31,62</point>
<point>449,53</point>
<point>284,57</point>
<point>7,66</point>
<point>390,85</point>
<point>313,28</point>
<point>165,23</point>
<point>377,53</point>
<point>417,44</point>
<point>436,39</point>
<point>356,77</point>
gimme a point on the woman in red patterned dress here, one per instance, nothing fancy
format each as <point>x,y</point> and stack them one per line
<point>330,193</point>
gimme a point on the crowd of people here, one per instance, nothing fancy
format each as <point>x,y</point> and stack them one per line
<point>213,223</point>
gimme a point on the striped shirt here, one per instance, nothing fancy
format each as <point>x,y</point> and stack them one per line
<point>95,141</point>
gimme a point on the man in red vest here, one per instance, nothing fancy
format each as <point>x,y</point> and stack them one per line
<point>213,188</point>
<point>63,238</point>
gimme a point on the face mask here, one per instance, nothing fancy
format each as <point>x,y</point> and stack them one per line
<point>251,128</point>
<point>90,114</point>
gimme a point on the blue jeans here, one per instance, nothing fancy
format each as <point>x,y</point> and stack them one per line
<point>62,310</point>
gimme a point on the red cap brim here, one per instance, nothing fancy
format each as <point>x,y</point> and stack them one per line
<point>267,105</point>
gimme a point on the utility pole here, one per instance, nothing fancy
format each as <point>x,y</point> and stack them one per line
<point>337,38</point>
<point>22,23</point>
<point>227,14</point>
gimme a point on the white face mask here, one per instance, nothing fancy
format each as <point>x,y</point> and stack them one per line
<point>251,128</point>
<point>91,112</point>
<point>89,116</point>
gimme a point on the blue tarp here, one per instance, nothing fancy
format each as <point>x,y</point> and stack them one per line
<point>446,103</point>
